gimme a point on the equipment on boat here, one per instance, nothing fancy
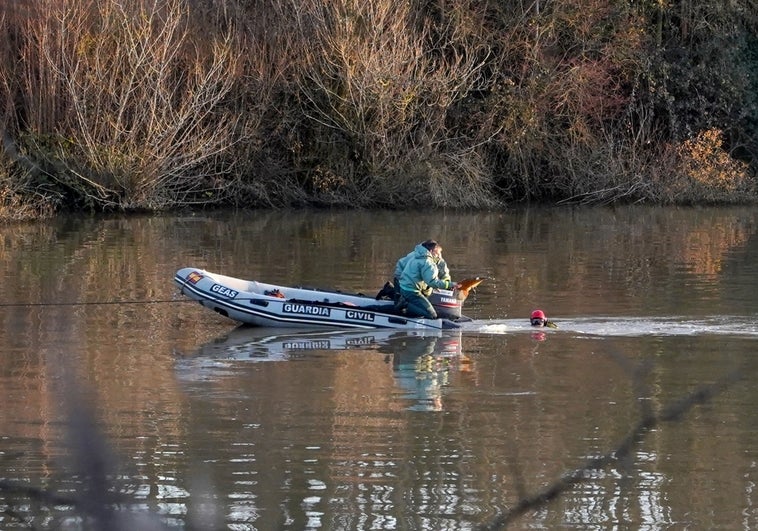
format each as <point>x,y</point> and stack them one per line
<point>260,304</point>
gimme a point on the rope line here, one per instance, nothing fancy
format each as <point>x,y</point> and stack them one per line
<point>93,303</point>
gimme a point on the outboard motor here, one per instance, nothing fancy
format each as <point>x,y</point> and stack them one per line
<point>447,303</point>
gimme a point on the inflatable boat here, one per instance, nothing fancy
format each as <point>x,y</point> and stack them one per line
<point>260,304</point>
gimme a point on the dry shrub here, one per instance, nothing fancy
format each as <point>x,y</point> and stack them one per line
<point>126,106</point>
<point>18,202</point>
<point>451,178</point>
<point>565,72</point>
<point>156,104</point>
<point>377,92</point>
<point>699,170</point>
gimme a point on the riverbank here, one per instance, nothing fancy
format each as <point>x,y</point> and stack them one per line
<point>149,106</point>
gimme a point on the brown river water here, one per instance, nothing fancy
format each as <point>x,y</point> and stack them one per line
<point>124,406</point>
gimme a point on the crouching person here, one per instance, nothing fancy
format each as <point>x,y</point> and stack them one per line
<point>419,275</point>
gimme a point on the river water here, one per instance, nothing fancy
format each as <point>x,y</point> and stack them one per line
<point>130,403</point>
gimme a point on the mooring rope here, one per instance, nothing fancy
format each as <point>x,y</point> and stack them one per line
<point>92,303</point>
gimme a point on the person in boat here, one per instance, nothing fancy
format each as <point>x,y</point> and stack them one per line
<point>443,272</point>
<point>539,319</point>
<point>420,274</point>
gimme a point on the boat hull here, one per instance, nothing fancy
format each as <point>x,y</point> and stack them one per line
<point>259,304</point>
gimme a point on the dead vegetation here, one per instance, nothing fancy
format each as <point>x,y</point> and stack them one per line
<point>160,105</point>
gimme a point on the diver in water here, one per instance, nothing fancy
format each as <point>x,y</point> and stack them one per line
<point>539,319</point>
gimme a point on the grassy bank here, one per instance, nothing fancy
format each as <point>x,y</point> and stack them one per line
<point>381,103</point>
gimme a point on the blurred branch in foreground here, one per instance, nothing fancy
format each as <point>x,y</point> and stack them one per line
<point>97,503</point>
<point>650,420</point>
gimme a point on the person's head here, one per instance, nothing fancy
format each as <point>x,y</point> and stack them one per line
<point>538,318</point>
<point>433,247</point>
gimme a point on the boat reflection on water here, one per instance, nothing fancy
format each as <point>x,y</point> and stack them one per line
<point>421,360</point>
<point>421,366</point>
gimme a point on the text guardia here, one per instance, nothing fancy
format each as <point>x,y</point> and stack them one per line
<point>309,310</point>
